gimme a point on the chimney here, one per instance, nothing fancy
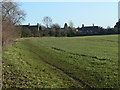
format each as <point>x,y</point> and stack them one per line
<point>38,25</point>
<point>82,25</point>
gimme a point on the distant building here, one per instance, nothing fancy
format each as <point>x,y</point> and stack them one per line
<point>88,29</point>
<point>32,27</point>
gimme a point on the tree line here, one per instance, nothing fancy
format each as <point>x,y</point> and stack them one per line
<point>67,31</point>
<point>55,30</point>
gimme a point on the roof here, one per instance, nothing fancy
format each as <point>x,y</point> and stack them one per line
<point>33,26</point>
<point>24,25</point>
<point>89,28</point>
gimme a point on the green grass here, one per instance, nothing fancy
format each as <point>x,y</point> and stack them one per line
<point>66,62</point>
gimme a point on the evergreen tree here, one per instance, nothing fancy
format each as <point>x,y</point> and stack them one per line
<point>117,27</point>
<point>65,26</point>
<point>71,33</point>
<point>51,33</point>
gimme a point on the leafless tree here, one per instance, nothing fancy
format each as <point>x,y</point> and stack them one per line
<point>11,16</point>
<point>11,12</point>
<point>71,24</point>
<point>108,27</point>
<point>47,21</point>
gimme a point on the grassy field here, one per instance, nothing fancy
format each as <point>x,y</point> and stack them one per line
<point>65,62</point>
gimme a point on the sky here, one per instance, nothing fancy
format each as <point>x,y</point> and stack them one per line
<point>102,14</point>
<point>119,10</point>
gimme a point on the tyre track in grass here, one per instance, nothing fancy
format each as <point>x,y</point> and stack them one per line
<point>33,49</point>
<point>84,55</point>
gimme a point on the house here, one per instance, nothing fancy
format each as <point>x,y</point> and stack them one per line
<point>32,27</point>
<point>88,29</point>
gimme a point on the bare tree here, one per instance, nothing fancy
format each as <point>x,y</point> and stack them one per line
<point>47,21</point>
<point>108,27</point>
<point>11,16</point>
<point>71,24</point>
<point>11,12</point>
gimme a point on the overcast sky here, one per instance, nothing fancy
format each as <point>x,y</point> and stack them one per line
<point>99,13</point>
